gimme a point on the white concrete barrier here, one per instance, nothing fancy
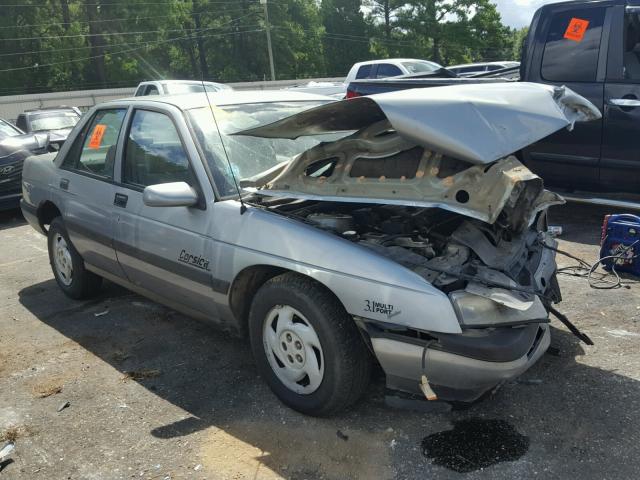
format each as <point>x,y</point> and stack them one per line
<point>11,106</point>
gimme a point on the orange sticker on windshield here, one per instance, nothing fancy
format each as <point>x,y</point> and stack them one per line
<point>576,29</point>
<point>96,136</point>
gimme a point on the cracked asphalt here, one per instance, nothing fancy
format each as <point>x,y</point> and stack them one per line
<point>153,394</point>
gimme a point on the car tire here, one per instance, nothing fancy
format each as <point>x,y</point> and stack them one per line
<point>68,266</point>
<point>317,336</point>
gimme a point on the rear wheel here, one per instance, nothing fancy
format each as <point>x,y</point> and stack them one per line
<point>68,266</point>
<point>306,346</point>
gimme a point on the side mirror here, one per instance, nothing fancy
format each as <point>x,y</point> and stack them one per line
<point>176,194</point>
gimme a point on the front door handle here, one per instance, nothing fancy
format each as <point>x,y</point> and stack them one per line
<point>64,183</point>
<point>120,200</point>
<point>624,102</point>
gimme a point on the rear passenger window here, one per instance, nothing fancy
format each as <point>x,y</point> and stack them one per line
<point>386,70</point>
<point>98,152</point>
<point>152,90</point>
<point>154,153</point>
<point>363,72</point>
<point>573,45</point>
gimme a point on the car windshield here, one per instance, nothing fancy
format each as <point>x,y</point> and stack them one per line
<point>8,130</point>
<point>53,121</point>
<point>421,67</point>
<point>248,156</point>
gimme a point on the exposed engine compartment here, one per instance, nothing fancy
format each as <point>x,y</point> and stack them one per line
<point>449,250</point>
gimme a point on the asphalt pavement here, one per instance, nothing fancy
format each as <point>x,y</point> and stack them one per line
<point>120,387</point>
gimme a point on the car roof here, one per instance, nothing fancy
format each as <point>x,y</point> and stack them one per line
<point>187,82</point>
<point>188,101</point>
<point>49,110</point>
<point>398,60</point>
<point>482,64</point>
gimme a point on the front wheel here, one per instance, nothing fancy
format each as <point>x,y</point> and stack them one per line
<point>68,266</point>
<point>306,346</point>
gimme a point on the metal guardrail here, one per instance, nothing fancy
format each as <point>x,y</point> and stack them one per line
<point>11,106</point>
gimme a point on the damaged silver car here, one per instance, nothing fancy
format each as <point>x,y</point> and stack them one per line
<point>396,226</point>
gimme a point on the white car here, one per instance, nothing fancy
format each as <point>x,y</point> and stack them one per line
<point>176,87</point>
<point>390,67</point>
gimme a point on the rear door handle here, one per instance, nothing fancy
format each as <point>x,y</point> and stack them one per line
<point>120,200</point>
<point>624,102</point>
<point>64,183</point>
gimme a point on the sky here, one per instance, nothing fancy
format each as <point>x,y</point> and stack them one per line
<point>518,13</point>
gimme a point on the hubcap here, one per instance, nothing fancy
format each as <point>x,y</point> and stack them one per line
<point>293,349</point>
<point>62,259</point>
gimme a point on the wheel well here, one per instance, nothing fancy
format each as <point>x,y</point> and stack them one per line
<point>245,286</point>
<point>46,213</point>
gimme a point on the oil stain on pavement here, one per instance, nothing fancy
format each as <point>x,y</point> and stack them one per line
<point>475,443</point>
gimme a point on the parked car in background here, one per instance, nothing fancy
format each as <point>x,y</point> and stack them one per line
<point>15,146</point>
<point>398,225</point>
<point>57,122</point>
<point>176,87</point>
<point>390,67</point>
<point>468,69</point>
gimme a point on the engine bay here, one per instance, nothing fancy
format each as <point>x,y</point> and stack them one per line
<point>449,250</point>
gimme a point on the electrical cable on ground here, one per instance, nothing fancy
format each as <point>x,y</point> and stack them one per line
<point>586,270</point>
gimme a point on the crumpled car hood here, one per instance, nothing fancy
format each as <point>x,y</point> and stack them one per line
<point>475,123</point>
<point>445,147</point>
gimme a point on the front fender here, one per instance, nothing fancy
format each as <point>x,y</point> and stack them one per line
<point>367,284</point>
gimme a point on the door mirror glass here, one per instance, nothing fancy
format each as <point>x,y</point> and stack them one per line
<point>176,194</point>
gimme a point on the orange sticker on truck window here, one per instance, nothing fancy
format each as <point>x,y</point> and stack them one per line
<point>576,29</point>
<point>96,136</point>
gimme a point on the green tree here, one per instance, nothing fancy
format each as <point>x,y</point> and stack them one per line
<point>346,39</point>
<point>455,31</point>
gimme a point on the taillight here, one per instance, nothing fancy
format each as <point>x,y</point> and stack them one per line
<point>352,94</point>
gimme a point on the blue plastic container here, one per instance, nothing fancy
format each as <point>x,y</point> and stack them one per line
<point>621,236</point>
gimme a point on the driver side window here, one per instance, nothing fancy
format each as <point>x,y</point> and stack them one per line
<point>154,153</point>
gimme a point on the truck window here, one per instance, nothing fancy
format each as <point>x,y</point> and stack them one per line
<point>632,46</point>
<point>386,70</point>
<point>364,72</point>
<point>573,45</point>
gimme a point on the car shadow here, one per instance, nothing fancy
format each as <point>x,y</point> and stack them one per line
<point>11,219</point>
<point>572,412</point>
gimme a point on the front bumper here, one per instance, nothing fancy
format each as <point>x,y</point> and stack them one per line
<point>459,370</point>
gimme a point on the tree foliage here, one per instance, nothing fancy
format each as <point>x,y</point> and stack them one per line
<point>50,45</point>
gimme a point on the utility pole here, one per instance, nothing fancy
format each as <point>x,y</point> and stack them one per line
<point>268,28</point>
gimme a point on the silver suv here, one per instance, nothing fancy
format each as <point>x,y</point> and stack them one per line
<point>395,226</point>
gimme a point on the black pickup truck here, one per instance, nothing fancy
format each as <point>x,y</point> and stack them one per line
<point>592,47</point>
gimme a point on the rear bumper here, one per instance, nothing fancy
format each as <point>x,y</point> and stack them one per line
<point>455,373</point>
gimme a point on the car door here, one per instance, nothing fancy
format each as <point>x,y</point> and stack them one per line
<point>567,52</point>
<point>164,250</point>
<point>87,191</point>
<point>620,163</point>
